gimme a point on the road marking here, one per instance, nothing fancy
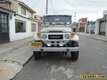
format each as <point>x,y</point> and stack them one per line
<point>53,69</point>
<point>68,72</point>
<point>61,68</point>
<point>53,79</point>
<point>102,54</point>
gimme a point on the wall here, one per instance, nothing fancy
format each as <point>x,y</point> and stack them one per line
<point>90,28</point>
<point>102,27</point>
<point>5,5</point>
<point>28,13</point>
<point>106,28</point>
<point>21,35</point>
<point>17,8</point>
<point>97,27</point>
<point>14,5</point>
<point>10,5</point>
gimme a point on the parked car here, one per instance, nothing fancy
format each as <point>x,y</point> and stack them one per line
<point>56,39</point>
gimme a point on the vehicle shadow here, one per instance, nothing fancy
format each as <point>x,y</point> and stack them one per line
<point>55,57</point>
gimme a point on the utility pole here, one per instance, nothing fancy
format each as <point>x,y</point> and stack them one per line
<point>46,7</point>
<point>75,16</point>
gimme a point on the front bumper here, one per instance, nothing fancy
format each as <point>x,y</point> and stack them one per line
<point>54,49</point>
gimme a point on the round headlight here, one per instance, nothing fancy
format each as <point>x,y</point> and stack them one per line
<point>44,36</point>
<point>66,36</point>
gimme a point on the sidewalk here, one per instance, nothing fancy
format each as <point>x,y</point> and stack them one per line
<point>12,45</point>
<point>96,37</point>
<point>13,56</point>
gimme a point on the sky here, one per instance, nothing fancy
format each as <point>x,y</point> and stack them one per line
<point>92,9</point>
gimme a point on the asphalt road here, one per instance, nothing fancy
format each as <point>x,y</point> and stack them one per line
<point>93,59</point>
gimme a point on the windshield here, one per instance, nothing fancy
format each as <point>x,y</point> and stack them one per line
<point>57,20</point>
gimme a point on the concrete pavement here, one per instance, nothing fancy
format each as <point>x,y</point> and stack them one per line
<point>13,56</point>
<point>93,59</point>
<point>6,47</point>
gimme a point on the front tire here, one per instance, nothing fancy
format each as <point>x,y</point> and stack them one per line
<point>74,55</point>
<point>37,55</point>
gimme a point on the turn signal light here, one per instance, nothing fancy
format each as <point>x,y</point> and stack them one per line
<point>74,36</point>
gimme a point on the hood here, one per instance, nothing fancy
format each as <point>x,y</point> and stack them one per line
<point>60,29</point>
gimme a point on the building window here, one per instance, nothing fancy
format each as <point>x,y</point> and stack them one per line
<point>20,26</point>
<point>33,27</point>
<point>3,23</point>
<point>23,11</point>
<point>3,1</point>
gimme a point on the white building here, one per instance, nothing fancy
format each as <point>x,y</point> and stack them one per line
<point>90,28</point>
<point>16,20</point>
<point>101,25</point>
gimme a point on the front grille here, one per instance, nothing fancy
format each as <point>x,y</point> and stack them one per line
<point>55,36</point>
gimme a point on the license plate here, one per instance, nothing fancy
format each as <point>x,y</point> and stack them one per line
<point>37,44</point>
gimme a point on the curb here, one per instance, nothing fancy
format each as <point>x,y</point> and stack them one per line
<point>18,64</point>
<point>92,37</point>
<point>98,39</point>
<point>9,69</point>
<point>23,66</point>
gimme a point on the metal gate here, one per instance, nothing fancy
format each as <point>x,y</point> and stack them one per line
<point>4,28</point>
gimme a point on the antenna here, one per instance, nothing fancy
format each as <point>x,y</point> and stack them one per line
<point>46,7</point>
